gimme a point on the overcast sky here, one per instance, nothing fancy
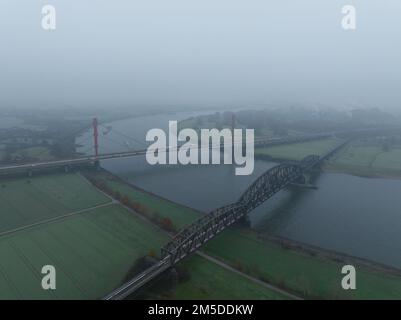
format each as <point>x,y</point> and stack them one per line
<point>200,52</point>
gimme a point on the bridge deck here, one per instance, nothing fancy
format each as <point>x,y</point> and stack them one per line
<point>86,160</point>
<point>207,227</point>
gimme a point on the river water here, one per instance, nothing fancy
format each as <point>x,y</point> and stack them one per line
<point>349,214</point>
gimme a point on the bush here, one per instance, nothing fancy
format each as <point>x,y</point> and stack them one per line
<point>152,254</point>
<point>125,201</point>
<point>183,274</point>
<point>117,195</point>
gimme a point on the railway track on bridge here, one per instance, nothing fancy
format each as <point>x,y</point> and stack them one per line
<point>208,226</point>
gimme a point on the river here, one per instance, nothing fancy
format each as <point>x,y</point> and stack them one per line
<point>349,214</point>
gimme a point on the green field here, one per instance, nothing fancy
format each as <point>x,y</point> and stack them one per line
<point>211,281</point>
<point>29,200</point>
<point>92,254</point>
<point>93,251</point>
<point>180,215</point>
<point>38,153</point>
<point>367,157</point>
<point>313,276</point>
<point>204,122</point>
<point>297,151</point>
<point>194,123</point>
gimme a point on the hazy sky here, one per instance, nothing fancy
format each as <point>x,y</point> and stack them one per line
<point>200,52</point>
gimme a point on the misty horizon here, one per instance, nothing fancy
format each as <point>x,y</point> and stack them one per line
<point>226,53</point>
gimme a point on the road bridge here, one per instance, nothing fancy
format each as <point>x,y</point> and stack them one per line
<point>67,164</point>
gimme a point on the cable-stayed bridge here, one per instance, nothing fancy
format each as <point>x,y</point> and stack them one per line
<point>93,159</point>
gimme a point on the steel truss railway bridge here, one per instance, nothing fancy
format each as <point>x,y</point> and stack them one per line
<point>208,226</point>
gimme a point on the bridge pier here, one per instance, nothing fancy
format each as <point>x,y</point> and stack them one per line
<point>244,221</point>
<point>301,179</point>
<point>96,164</point>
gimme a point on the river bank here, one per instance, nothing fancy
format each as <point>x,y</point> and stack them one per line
<point>362,172</point>
<point>352,159</point>
<point>335,168</point>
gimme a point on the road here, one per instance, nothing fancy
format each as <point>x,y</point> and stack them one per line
<point>86,160</point>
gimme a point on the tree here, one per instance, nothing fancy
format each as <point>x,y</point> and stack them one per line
<point>125,200</point>
<point>167,224</point>
<point>135,205</point>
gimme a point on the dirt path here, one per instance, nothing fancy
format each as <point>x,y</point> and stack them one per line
<point>255,280</point>
<point>51,220</point>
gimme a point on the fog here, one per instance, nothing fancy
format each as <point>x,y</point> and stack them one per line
<point>114,53</point>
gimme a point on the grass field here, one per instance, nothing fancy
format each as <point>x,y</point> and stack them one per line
<point>28,200</point>
<point>367,157</point>
<point>298,151</point>
<point>94,251</point>
<point>357,157</point>
<point>211,281</point>
<point>312,276</point>
<point>38,153</point>
<point>180,215</point>
<point>202,122</point>
<point>92,254</point>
